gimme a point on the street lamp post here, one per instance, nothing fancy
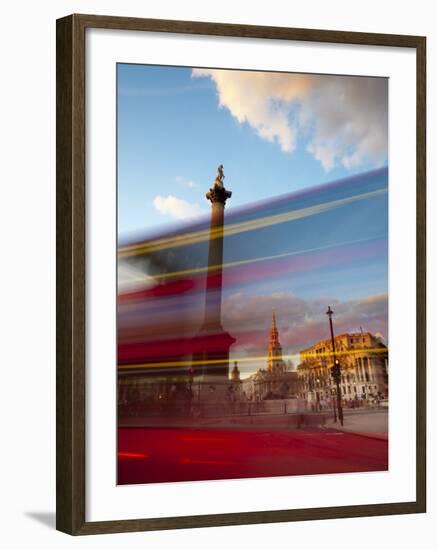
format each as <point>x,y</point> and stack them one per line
<point>336,369</point>
<point>334,407</point>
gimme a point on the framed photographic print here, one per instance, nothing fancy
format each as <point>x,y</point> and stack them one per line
<point>240,274</point>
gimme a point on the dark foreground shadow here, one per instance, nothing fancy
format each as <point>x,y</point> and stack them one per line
<point>46,518</point>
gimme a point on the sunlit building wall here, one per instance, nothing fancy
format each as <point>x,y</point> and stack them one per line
<point>363,358</point>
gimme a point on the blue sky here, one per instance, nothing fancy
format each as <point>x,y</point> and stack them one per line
<point>275,134</point>
<point>172,134</point>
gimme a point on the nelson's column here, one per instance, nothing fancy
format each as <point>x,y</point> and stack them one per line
<point>214,360</point>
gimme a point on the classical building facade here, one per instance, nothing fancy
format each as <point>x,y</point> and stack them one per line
<point>363,359</point>
<point>274,382</point>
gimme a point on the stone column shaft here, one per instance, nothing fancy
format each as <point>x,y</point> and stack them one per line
<point>215,267</point>
<point>217,341</point>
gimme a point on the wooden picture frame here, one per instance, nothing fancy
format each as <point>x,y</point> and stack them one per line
<point>71,275</point>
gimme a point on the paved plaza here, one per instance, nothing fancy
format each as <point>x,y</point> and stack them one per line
<point>371,422</point>
<point>165,455</point>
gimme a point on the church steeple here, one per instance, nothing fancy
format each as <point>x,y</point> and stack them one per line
<point>274,361</point>
<point>274,337</point>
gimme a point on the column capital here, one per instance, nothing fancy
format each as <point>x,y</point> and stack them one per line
<point>218,194</point>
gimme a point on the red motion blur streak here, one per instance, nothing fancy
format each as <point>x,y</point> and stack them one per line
<point>258,270</point>
<point>163,350</point>
<point>166,350</point>
<point>127,454</point>
<point>194,455</point>
<point>170,288</point>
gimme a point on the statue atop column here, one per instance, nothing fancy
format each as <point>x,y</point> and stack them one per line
<point>220,176</point>
<point>218,193</point>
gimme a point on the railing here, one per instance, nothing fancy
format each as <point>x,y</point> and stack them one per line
<point>212,409</point>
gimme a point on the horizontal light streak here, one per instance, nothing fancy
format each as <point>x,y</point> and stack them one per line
<point>238,263</point>
<point>189,363</point>
<point>233,229</point>
<point>128,454</point>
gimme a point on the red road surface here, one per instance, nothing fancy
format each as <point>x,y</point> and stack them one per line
<point>152,455</point>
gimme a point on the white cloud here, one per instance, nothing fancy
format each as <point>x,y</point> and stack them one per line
<point>186,182</point>
<point>176,208</point>
<point>342,119</point>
